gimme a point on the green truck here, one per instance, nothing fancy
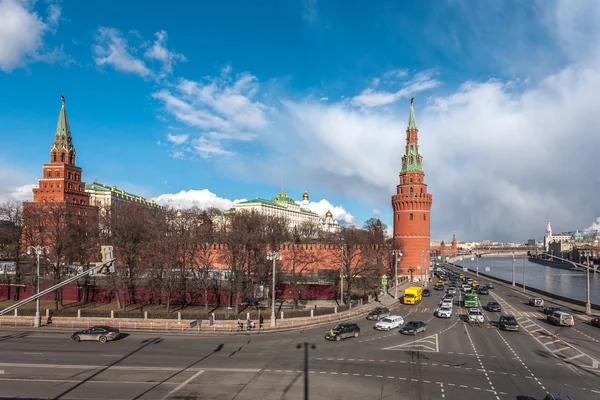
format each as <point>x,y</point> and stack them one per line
<point>471,300</point>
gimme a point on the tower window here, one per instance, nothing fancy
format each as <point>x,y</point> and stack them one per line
<point>49,174</point>
<point>410,217</point>
<point>411,180</point>
<point>424,217</point>
<point>57,174</point>
<point>411,192</point>
<point>62,157</point>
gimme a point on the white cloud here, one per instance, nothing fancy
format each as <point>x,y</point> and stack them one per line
<point>324,98</point>
<point>594,227</point>
<point>203,199</point>
<point>223,108</point>
<point>113,49</point>
<point>370,98</point>
<point>340,213</point>
<point>15,184</point>
<point>177,139</point>
<point>22,33</point>
<point>376,213</point>
<point>159,52</point>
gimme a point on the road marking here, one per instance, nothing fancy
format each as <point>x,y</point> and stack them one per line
<point>87,381</point>
<point>126,368</point>
<point>182,384</point>
<point>428,344</point>
<point>480,362</point>
<point>574,357</point>
<point>31,352</point>
<point>561,349</point>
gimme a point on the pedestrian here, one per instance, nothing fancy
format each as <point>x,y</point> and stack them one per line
<point>261,322</point>
<point>240,326</point>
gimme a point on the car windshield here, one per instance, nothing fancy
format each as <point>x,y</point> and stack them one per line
<point>338,327</point>
<point>412,325</point>
<point>387,320</point>
<point>409,296</point>
<point>474,312</point>
<point>509,319</point>
<point>444,309</point>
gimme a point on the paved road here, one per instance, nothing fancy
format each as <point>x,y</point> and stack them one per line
<point>452,360</point>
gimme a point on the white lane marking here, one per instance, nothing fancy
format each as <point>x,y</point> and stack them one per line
<point>31,352</point>
<point>182,385</point>
<point>480,362</point>
<point>574,357</point>
<point>87,381</point>
<point>126,368</point>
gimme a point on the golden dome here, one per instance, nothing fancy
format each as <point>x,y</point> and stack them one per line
<point>179,211</point>
<point>305,196</point>
<point>328,214</point>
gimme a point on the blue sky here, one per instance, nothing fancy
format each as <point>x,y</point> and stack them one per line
<point>222,100</point>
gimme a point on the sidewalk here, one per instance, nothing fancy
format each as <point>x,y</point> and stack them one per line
<point>184,327</point>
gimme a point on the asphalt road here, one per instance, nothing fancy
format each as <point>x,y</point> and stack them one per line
<point>451,360</point>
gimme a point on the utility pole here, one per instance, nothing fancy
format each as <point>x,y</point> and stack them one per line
<point>396,253</point>
<point>37,322</point>
<point>477,262</point>
<point>273,255</point>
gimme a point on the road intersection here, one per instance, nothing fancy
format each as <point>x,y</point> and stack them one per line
<point>451,360</point>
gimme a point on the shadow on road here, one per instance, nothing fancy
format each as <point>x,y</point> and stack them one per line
<point>145,343</point>
<point>14,336</point>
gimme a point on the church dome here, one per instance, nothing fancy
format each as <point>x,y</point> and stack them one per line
<point>328,214</point>
<point>576,235</point>
<point>305,196</point>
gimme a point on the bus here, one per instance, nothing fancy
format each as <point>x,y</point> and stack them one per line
<point>471,300</point>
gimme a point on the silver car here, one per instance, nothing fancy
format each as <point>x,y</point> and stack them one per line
<point>101,334</point>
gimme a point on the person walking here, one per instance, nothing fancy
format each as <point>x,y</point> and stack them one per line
<point>240,326</point>
<point>261,321</point>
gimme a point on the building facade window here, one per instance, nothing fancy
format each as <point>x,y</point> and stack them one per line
<point>424,217</point>
<point>62,157</point>
<point>410,217</point>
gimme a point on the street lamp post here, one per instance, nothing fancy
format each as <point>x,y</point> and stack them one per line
<point>513,268</point>
<point>396,253</point>
<point>588,304</point>
<point>37,322</point>
<point>477,263</point>
<point>273,255</point>
<point>523,273</point>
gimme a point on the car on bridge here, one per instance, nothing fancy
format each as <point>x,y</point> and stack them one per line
<point>489,285</point>
<point>561,318</point>
<point>413,327</point>
<point>439,286</point>
<point>342,331</point>
<point>101,334</point>
<point>557,396</point>
<point>508,323</point>
<point>426,292</point>
<point>483,290</point>
<point>451,290</point>
<point>595,322</point>
<point>391,322</point>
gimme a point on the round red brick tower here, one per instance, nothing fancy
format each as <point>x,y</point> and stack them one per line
<point>412,207</point>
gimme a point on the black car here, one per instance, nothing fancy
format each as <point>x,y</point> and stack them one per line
<point>426,292</point>
<point>413,327</point>
<point>550,309</point>
<point>378,314</point>
<point>483,290</point>
<point>493,306</point>
<point>557,396</point>
<point>489,285</point>
<point>342,331</point>
<point>439,286</point>
<point>508,323</point>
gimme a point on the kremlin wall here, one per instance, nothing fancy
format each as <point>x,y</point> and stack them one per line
<point>62,183</point>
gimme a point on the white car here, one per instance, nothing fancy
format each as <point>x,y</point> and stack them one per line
<point>444,312</point>
<point>391,322</point>
<point>446,303</point>
<point>476,316</point>
<point>465,287</point>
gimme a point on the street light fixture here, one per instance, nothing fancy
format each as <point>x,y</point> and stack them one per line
<point>588,304</point>
<point>396,253</point>
<point>274,256</point>
<point>37,322</point>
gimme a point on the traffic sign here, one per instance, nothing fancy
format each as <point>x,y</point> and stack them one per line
<point>384,281</point>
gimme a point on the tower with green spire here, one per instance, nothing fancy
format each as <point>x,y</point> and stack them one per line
<point>412,207</point>
<point>61,181</point>
<point>62,149</point>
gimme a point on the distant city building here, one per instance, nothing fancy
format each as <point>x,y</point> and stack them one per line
<point>105,197</point>
<point>285,207</point>
<point>531,242</point>
<point>567,242</point>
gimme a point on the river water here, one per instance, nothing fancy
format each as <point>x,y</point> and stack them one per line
<point>563,282</point>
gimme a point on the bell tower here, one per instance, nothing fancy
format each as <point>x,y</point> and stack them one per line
<point>412,207</point>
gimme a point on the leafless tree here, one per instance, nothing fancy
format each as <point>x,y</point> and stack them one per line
<point>11,243</point>
<point>300,263</point>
